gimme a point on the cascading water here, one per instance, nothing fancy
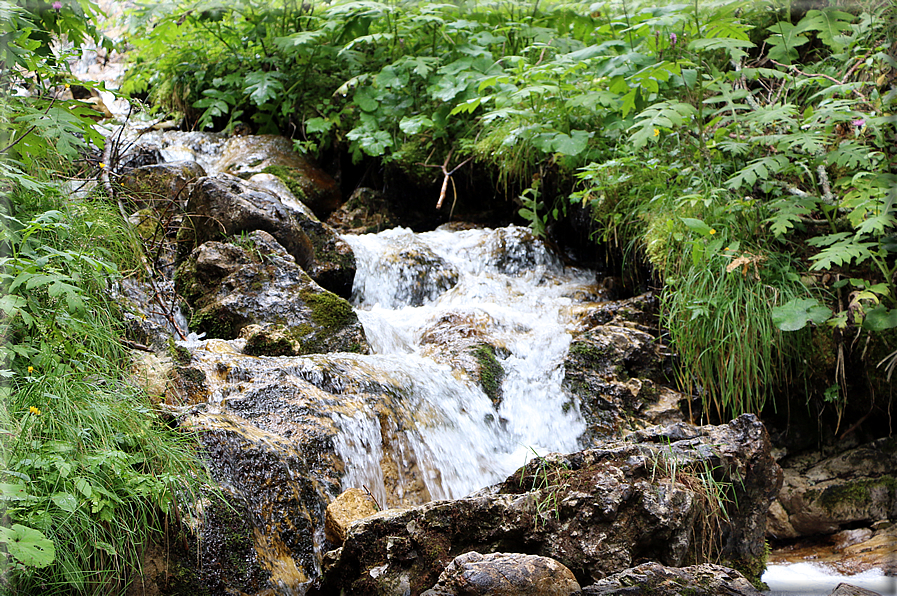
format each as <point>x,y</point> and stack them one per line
<point>503,285</point>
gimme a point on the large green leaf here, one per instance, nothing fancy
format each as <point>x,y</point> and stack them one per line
<point>28,546</point>
<point>880,318</point>
<point>263,86</point>
<point>795,314</point>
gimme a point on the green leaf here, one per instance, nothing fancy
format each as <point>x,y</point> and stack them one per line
<point>795,314</point>
<point>263,86</point>
<point>317,125</point>
<point>83,487</point>
<point>785,40</point>
<point>572,144</point>
<point>696,225</point>
<point>65,501</point>
<point>842,248</point>
<point>28,546</point>
<point>829,24</point>
<point>364,99</point>
<point>880,318</point>
<point>414,125</point>
<point>13,492</point>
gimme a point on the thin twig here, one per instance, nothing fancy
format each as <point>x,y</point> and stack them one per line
<point>446,173</point>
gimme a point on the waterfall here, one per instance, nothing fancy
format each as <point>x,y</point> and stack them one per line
<point>415,295</point>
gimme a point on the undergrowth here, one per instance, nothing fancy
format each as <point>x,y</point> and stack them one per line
<point>89,471</point>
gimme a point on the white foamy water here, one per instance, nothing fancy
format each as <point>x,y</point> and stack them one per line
<point>507,288</point>
<point>810,579</point>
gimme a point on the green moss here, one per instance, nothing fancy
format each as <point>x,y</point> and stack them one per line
<point>857,492</point>
<point>329,310</point>
<point>179,354</point>
<point>491,373</point>
<point>269,344</point>
<point>291,178</point>
<point>215,323</point>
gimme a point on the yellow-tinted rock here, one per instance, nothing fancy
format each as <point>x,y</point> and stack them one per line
<point>352,505</point>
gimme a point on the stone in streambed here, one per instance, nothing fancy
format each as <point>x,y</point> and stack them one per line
<point>270,154</point>
<point>160,186</point>
<point>597,512</point>
<point>352,505</point>
<point>657,580</point>
<point>225,206</point>
<point>504,574</point>
<point>258,292</point>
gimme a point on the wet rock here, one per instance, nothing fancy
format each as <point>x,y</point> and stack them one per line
<point>504,574</point>
<point>823,495</point>
<point>597,511</point>
<point>843,589</point>
<point>847,552</point>
<point>638,312</point>
<point>225,206</point>
<point>408,273</point>
<point>460,341</point>
<point>211,551</point>
<point>283,489</point>
<point>352,505</point>
<point>161,186</point>
<point>366,212</point>
<point>655,579</point>
<point>516,249</point>
<point>617,374</point>
<point>232,287</point>
<point>269,154</point>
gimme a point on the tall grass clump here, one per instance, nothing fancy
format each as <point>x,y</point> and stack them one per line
<point>89,469</point>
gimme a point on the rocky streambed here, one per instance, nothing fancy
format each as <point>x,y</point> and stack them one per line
<point>453,412</point>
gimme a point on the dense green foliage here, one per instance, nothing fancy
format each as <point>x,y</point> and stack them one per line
<point>89,470</point>
<point>744,150</point>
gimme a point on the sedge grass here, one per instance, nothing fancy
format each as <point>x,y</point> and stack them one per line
<point>99,467</point>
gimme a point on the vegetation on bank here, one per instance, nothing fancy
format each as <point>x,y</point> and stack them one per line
<point>88,468</point>
<point>744,150</point>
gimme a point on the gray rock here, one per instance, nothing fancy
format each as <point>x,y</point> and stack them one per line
<point>822,495</point>
<point>655,579</point>
<point>848,590</point>
<point>161,186</point>
<point>249,155</point>
<point>595,511</point>
<point>225,206</point>
<point>234,287</point>
<point>504,574</point>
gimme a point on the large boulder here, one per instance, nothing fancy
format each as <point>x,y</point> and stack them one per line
<point>504,574</point>
<point>160,185</point>
<point>617,371</point>
<point>223,206</point>
<point>822,495</point>
<point>667,495</point>
<point>249,155</point>
<point>234,287</point>
<point>655,579</point>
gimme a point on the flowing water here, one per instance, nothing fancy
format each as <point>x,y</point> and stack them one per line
<point>411,422</point>
<point>508,290</point>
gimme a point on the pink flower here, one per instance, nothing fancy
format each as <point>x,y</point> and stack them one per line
<point>57,6</point>
<point>860,123</point>
<point>673,39</point>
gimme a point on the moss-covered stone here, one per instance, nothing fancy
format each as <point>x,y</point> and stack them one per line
<point>491,373</point>
<point>329,310</point>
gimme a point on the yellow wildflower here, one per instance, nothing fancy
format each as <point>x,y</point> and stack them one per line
<point>34,410</point>
<point>656,132</point>
<point>102,166</point>
<point>712,231</point>
<point>30,369</point>
<point>67,85</point>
